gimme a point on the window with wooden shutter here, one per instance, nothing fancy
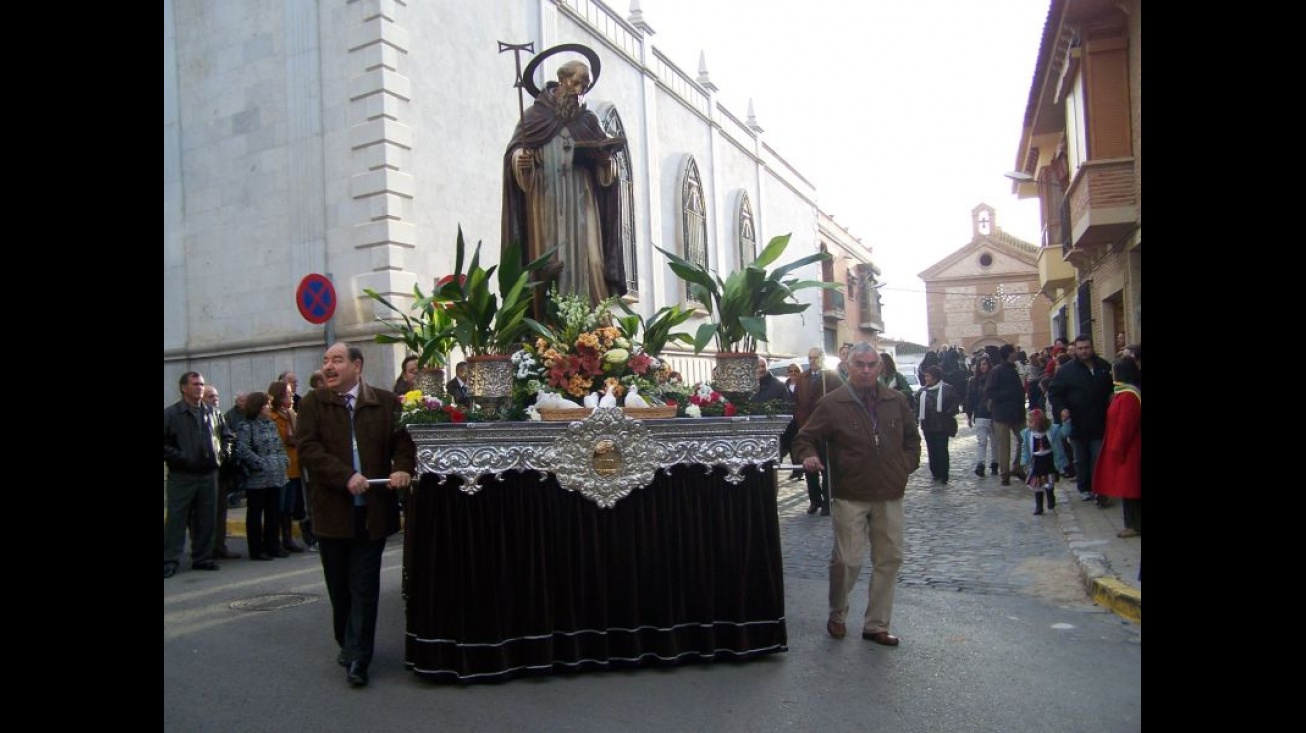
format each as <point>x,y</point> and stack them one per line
<point>1106,76</point>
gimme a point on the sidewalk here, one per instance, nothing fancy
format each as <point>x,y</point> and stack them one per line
<point>1109,565</point>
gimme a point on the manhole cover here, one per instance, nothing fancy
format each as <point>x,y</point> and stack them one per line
<point>273,602</point>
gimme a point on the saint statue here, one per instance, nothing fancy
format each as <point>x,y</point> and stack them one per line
<point>560,189</point>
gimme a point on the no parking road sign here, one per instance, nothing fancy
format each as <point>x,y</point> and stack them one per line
<point>316,298</point>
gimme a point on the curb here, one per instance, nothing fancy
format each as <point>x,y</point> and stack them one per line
<point>1120,598</point>
<point>1100,582</point>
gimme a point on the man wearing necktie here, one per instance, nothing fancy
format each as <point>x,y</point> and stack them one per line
<point>348,432</point>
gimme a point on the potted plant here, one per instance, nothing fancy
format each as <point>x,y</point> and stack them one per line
<point>658,330</point>
<point>426,333</point>
<point>489,326</point>
<point>738,307</point>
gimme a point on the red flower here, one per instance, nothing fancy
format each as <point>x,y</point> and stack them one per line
<point>588,362</point>
<point>455,415</point>
<point>462,280</point>
<point>728,410</point>
<point>639,363</point>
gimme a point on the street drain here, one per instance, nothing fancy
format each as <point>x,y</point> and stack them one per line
<point>273,602</point>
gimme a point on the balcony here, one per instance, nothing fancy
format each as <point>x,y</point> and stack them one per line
<point>1054,272</point>
<point>832,305</point>
<point>1103,204</point>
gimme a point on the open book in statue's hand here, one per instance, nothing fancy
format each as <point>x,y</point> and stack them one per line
<point>605,145</point>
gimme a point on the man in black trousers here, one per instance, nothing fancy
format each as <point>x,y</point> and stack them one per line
<point>192,448</point>
<point>348,432</point>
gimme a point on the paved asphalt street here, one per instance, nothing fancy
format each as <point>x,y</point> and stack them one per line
<point>1005,619</point>
<point>963,536</point>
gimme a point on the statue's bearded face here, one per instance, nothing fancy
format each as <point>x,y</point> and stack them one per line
<point>570,87</point>
<point>577,83</point>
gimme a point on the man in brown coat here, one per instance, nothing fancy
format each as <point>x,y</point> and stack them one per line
<point>814,384</point>
<point>348,433</point>
<point>873,444</point>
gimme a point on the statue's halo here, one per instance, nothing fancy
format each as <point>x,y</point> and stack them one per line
<point>528,76</point>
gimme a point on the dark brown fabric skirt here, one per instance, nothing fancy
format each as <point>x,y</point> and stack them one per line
<point>526,577</point>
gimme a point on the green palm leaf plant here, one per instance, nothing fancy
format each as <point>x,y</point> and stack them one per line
<point>426,332</point>
<point>739,305</point>
<point>657,330</point>
<point>484,322</point>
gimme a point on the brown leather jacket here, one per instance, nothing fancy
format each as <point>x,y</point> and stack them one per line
<point>326,454</point>
<point>862,468</point>
<point>811,388</point>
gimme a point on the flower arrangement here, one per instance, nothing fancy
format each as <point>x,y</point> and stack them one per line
<point>419,409</point>
<point>701,400</point>
<point>706,401</point>
<point>583,350</point>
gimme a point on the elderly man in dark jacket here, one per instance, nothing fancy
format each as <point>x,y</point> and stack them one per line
<point>1006,394</point>
<point>193,438</point>
<point>816,382</point>
<point>869,434</point>
<point>1083,388</point>
<point>768,387</point>
<point>349,433</point>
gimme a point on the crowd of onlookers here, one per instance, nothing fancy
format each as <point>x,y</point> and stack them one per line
<point>257,466</point>
<point>1061,412</point>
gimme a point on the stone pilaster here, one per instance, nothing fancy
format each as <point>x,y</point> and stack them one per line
<point>381,142</point>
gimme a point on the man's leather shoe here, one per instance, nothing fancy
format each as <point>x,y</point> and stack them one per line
<point>356,673</point>
<point>261,556</point>
<point>812,509</point>
<point>836,629</point>
<point>225,554</point>
<point>210,565</point>
<point>281,553</point>
<point>169,571</point>
<point>883,638</point>
<point>825,511</point>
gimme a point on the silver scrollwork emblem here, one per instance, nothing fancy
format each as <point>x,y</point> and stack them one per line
<point>605,456</point>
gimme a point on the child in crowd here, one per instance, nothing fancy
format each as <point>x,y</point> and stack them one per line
<point>1036,443</point>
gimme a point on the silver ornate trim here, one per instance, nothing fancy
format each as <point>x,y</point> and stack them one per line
<point>735,373</point>
<point>567,450</point>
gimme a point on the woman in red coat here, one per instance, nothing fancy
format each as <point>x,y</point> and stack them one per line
<point>1119,468</point>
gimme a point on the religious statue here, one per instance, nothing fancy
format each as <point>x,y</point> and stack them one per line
<point>560,188</point>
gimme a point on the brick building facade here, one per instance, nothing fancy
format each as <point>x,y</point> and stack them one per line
<point>987,292</point>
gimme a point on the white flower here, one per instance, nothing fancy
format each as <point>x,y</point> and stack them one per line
<point>532,413</point>
<point>693,411</point>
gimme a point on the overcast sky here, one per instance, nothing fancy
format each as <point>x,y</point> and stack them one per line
<point>903,114</point>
